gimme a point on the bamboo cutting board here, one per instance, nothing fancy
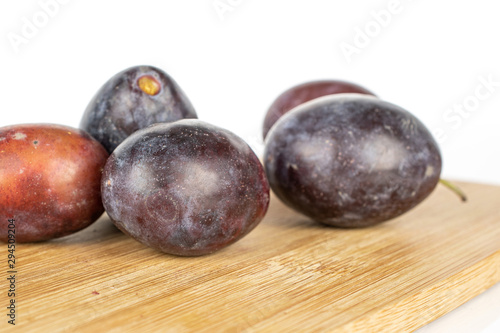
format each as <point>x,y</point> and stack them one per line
<point>288,275</point>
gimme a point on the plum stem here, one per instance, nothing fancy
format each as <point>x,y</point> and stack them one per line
<point>454,189</point>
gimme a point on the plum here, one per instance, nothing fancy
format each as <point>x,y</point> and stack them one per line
<point>50,179</point>
<point>186,188</point>
<point>305,92</point>
<point>131,100</point>
<point>351,160</point>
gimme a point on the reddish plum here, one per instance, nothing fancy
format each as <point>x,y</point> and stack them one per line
<point>305,92</point>
<point>50,178</point>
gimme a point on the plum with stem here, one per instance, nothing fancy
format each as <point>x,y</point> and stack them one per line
<point>351,160</point>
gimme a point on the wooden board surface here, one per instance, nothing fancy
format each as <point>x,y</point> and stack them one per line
<point>288,275</point>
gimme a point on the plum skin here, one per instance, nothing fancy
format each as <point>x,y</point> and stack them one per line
<point>306,92</point>
<point>185,188</point>
<point>351,160</point>
<point>50,180</point>
<point>121,106</point>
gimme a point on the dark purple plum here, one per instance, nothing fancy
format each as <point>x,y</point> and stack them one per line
<point>305,92</point>
<point>131,100</point>
<point>185,188</point>
<point>351,160</point>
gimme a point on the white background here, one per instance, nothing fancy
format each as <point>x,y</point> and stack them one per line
<point>428,57</point>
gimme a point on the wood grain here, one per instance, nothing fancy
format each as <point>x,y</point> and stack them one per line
<point>289,274</point>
